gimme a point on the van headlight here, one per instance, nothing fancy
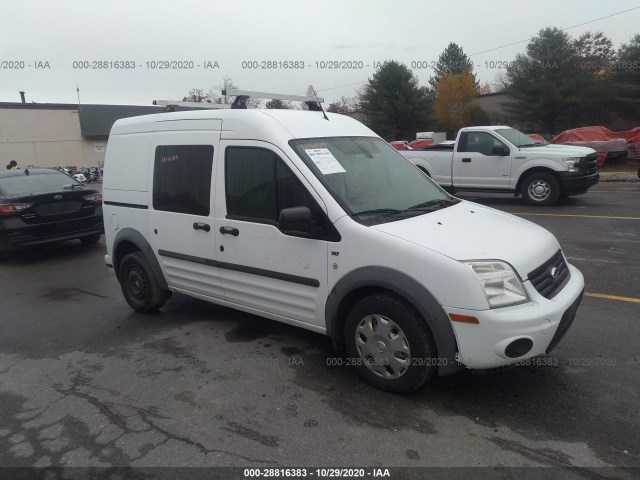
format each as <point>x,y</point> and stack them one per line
<point>500,283</point>
<point>573,164</point>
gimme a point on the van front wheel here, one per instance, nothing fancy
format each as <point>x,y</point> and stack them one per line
<point>139,285</point>
<point>390,344</point>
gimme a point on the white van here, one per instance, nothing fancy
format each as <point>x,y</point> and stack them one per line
<point>317,222</point>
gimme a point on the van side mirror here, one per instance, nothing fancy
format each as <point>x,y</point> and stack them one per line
<point>295,220</point>
<point>500,151</point>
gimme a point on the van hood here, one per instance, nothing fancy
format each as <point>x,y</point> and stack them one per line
<point>469,231</point>
<point>556,150</point>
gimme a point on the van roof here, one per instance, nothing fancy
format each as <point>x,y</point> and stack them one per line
<point>257,124</point>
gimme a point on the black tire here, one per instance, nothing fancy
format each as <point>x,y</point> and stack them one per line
<point>541,189</point>
<point>91,239</point>
<point>421,363</point>
<point>139,285</point>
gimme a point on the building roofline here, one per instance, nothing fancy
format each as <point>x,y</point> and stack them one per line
<point>63,106</point>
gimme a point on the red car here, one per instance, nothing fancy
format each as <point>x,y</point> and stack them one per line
<point>400,145</point>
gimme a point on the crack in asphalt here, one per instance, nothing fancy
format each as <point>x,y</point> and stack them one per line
<point>548,457</point>
<point>6,370</point>
<point>109,410</point>
<point>91,293</point>
<point>266,440</point>
<point>205,450</point>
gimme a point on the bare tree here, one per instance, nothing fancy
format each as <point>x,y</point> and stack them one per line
<point>197,95</point>
<point>215,95</point>
<point>278,104</point>
<point>344,105</point>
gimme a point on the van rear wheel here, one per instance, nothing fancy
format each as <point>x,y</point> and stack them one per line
<point>139,285</point>
<point>390,344</point>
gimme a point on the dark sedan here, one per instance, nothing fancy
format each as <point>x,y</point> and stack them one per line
<point>40,206</point>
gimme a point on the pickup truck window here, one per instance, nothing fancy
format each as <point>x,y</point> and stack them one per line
<point>518,138</point>
<point>479,142</point>
<point>370,180</point>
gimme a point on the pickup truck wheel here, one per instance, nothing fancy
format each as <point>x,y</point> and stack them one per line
<point>542,189</point>
<point>139,285</point>
<point>390,344</point>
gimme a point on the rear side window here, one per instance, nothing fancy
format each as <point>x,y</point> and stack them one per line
<point>182,179</point>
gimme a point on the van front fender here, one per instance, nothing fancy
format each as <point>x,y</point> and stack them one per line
<point>356,283</point>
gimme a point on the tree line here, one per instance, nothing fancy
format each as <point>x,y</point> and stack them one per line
<point>557,83</point>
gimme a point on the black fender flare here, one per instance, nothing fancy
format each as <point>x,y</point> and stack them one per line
<point>136,238</point>
<point>408,288</point>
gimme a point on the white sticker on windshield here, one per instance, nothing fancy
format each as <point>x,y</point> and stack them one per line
<point>324,160</point>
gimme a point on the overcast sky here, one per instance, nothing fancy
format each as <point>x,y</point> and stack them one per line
<point>62,32</point>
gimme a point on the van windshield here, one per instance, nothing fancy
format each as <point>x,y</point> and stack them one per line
<point>370,179</point>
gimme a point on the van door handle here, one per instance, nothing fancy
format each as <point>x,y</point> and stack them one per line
<point>229,231</point>
<point>466,160</point>
<point>201,226</point>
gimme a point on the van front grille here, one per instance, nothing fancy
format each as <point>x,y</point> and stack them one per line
<point>550,277</point>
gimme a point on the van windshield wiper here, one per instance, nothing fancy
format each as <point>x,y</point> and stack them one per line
<point>429,206</point>
<point>377,211</point>
<point>433,205</point>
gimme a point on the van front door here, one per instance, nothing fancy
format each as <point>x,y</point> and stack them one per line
<point>181,214</point>
<point>262,269</point>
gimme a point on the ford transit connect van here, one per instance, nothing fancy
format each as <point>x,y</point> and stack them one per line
<point>315,221</point>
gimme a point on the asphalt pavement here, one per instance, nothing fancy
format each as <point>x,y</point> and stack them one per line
<point>85,381</point>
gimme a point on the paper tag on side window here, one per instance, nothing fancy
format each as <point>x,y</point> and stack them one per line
<point>324,160</point>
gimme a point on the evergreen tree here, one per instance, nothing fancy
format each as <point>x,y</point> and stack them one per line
<point>452,61</point>
<point>395,104</point>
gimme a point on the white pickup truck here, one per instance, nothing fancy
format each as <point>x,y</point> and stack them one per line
<point>502,159</point>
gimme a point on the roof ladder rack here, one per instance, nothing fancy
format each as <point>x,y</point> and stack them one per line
<point>170,105</point>
<point>243,95</point>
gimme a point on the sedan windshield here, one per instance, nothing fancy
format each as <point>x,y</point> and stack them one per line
<point>369,179</point>
<point>518,138</point>
<point>35,182</point>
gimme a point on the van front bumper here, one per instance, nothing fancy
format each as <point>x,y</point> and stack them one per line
<point>503,334</point>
